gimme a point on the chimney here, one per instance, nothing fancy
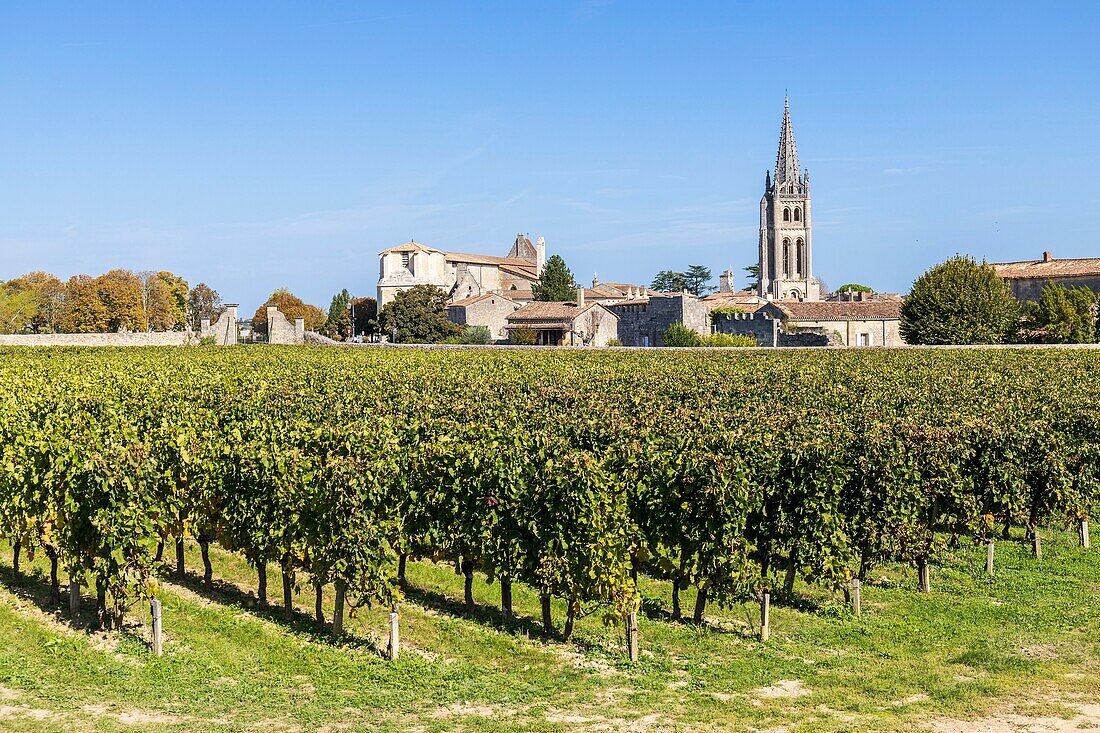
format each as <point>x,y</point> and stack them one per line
<point>580,297</point>
<point>725,281</point>
<point>1047,257</point>
<point>540,255</point>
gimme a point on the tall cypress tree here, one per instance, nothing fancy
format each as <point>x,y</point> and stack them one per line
<point>556,281</point>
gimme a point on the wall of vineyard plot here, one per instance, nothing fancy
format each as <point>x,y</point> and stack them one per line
<point>735,472</point>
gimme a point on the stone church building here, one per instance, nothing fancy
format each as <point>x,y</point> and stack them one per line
<point>786,236</point>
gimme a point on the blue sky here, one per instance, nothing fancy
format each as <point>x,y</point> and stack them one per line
<point>263,145</point>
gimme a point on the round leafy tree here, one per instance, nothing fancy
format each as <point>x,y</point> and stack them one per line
<point>959,302</point>
<point>418,316</point>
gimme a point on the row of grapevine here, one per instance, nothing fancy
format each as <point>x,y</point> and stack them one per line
<point>568,472</point>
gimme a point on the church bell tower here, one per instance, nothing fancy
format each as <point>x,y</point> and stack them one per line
<point>786,247</point>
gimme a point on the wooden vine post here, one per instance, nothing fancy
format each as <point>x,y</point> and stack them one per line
<point>632,635</point>
<point>1083,529</point>
<point>924,575</point>
<point>1036,544</point>
<point>856,607</point>
<point>74,600</point>
<point>338,613</point>
<point>158,630</point>
<point>394,647</point>
<point>989,557</point>
<point>765,615</point>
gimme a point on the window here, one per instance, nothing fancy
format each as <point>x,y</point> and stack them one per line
<point>799,255</point>
<point>786,258</point>
<point>797,214</point>
<point>864,339</point>
<point>786,214</point>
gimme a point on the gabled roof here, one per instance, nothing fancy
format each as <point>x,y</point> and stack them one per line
<point>412,247</point>
<point>523,248</point>
<point>550,314</point>
<point>1045,268</point>
<point>824,310</point>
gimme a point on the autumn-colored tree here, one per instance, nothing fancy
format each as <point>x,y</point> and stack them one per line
<point>164,299</point>
<point>49,294</point>
<point>120,293</point>
<point>290,306</point>
<point>203,302</point>
<point>83,312</point>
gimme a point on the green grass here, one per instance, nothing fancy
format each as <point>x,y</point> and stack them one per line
<point>1029,638</point>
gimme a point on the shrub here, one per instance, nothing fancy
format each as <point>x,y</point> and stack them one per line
<point>614,342</point>
<point>959,302</point>
<point>475,335</point>
<point>680,335</point>
<point>727,339</point>
<point>523,337</point>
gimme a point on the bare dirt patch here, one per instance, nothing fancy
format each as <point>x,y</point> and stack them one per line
<point>466,709</point>
<point>1087,720</point>
<point>26,711</point>
<point>781,689</point>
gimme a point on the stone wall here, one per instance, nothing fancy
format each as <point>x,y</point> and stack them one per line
<point>165,338</point>
<point>757,325</point>
<point>225,330</point>
<point>282,331</point>
<point>645,323</point>
<point>1032,288</point>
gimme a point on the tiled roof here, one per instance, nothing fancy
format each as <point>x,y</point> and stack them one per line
<point>548,313</point>
<point>844,311</point>
<point>749,302</point>
<point>412,247</point>
<point>1051,268</point>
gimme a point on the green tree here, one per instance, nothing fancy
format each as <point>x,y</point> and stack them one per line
<point>959,302</point>
<point>417,316</point>
<point>680,335</point>
<point>855,288</point>
<point>338,325</point>
<point>1066,315</point>
<point>18,307</point>
<point>697,280</point>
<point>556,281</point>
<point>668,281</point>
<point>364,313</point>
<point>753,283</point>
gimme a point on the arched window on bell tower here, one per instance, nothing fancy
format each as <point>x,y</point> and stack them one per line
<point>797,214</point>
<point>800,257</point>
<point>786,258</point>
<point>786,214</point>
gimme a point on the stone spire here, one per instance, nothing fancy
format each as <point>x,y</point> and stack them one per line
<point>786,160</point>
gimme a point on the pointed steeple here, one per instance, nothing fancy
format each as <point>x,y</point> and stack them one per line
<point>786,160</point>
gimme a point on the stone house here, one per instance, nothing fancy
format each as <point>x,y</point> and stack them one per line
<point>489,309</point>
<point>856,322</point>
<point>1027,278</point>
<point>459,274</point>
<point>569,323</point>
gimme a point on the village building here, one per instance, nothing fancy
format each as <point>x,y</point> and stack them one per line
<point>488,309</point>
<point>1028,278</point>
<point>862,320</point>
<point>459,274</point>
<point>569,323</point>
<point>643,320</point>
